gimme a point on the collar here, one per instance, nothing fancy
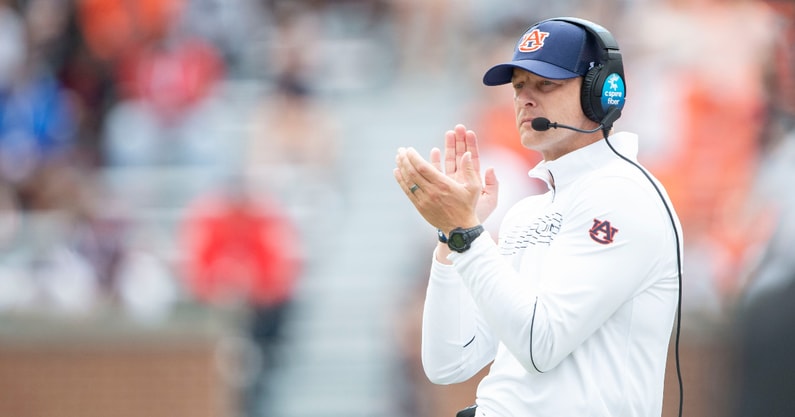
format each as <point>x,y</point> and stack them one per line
<point>577,163</point>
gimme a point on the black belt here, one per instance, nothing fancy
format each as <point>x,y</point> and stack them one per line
<point>467,412</point>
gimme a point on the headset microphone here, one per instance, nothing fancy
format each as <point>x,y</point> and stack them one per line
<point>542,124</point>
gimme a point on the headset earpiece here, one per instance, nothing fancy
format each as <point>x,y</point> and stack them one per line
<point>587,92</point>
<point>603,85</point>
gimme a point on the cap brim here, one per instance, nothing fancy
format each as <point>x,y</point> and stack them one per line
<point>502,73</point>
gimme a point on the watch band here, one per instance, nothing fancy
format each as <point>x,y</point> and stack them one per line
<point>442,237</point>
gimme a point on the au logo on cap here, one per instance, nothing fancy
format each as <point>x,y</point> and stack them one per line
<point>532,41</point>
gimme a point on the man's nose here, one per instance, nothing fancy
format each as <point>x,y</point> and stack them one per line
<point>525,98</point>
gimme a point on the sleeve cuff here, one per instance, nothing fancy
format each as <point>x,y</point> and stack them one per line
<point>442,272</point>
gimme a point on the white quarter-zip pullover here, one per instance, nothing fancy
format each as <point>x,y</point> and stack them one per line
<point>575,303</point>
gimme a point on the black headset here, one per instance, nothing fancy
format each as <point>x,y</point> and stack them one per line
<point>605,80</point>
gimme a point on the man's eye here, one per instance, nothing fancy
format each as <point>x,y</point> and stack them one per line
<point>545,85</point>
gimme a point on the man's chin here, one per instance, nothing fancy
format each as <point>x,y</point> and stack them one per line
<point>530,138</point>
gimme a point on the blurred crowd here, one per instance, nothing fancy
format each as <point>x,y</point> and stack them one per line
<point>157,152</point>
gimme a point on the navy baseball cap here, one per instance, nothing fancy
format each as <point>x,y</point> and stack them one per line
<point>553,49</point>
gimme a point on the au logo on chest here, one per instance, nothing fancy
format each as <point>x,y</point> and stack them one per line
<point>602,231</point>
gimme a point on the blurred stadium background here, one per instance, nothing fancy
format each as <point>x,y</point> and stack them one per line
<point>198,215</point>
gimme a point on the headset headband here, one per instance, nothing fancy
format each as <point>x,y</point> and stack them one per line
<point>603,36</point>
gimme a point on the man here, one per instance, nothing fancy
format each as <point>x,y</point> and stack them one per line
<point>576,303</point>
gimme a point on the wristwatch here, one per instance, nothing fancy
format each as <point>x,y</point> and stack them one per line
<point>460,239</point>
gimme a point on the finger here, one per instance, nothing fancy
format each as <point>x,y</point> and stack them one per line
<point>470,175</point>
<point>471,141</point>
<point>406,175</point>
<point>417,170</point>
<point>449,152</point>
<point>406,186</point>
<point>399,179</point>
<point>460,144</point>
<point>491,184</point>
<point>403,170</point>
<point>436,158</point>
<point>408,172</point>
<point>396,172</point>
<point>460,141</point>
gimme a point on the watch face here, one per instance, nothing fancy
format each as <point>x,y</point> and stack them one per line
<point>457,240</point>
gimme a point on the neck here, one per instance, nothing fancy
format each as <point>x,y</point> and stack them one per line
<point>576,141</point>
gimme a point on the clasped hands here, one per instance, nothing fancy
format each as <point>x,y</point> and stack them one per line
<point>454,197</point>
